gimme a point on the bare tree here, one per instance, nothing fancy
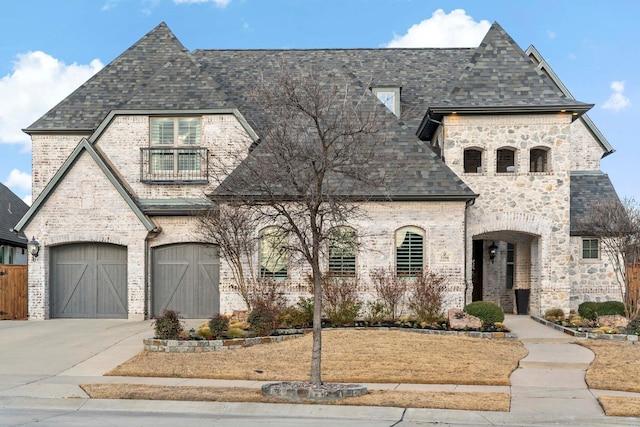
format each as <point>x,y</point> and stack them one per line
<point>321,152</point>
<point>232,229</point>
<point>617,226</point>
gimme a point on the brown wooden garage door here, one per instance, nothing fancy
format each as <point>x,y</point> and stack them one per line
<point>186,278</point>
<point>88,280</point>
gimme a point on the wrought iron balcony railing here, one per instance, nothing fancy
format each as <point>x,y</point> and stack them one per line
<point>174,165</point>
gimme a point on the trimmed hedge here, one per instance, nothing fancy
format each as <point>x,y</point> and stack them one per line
<point>486,311</point>
<point>591,309</point>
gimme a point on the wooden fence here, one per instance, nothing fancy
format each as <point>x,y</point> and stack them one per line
<point>13,292</point>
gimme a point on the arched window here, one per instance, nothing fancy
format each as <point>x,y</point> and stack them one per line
<point>273,253</point>
<point>409,251</point>
<point>473,160</point>
<point>506,160</point>
<point>538,160</point>
<point>342,251</point>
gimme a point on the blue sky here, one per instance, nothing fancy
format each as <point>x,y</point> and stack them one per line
<point>48,48</point>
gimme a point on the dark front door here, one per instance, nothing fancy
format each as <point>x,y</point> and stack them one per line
<point>477,272</point>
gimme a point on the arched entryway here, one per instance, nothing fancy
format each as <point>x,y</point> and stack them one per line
<point>505,269</point>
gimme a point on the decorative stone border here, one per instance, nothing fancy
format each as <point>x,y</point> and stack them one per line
<point>205,346</point>
<point>303,392</point>
<point>590,335</point>
<point>471,334</point>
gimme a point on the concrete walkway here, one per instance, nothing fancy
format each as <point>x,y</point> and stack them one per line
<point>42,364</point>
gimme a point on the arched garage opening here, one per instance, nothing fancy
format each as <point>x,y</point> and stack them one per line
<point>88,280</point>
<point>186,277</point>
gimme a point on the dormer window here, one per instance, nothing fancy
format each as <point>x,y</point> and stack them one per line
<point>390,97</point>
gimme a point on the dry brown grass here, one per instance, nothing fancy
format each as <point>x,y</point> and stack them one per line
<point>616,366</point>
<point>473,401</point>
<point>363,356</point>
<point>620,406</point>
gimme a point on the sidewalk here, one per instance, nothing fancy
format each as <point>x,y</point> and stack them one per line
<point>38,368</point>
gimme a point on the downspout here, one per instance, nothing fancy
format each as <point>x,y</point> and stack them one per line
<point>147,276</point>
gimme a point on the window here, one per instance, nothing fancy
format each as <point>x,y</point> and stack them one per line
<point>273,253</point>
<point>472,160</point>
<point>511,258</point>
<point>2,254</point>
<point>538,160</point>
<point>590,248</point>
<point>409,251</point>
<point>505,160</point>
<point>342,252</point>
<point>390,97</point>
<point>12,253</point>
<point>169,133</point>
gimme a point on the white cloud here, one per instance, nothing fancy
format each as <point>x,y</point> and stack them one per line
<point>617,101</point>
<point>455,29</point>
<point>38,82</point>
<point>218,3</point>
<point>28,199</point>
<point>18,181</point>
<point>551,34</point>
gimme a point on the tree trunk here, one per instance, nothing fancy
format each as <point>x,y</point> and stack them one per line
<point>316,352</point>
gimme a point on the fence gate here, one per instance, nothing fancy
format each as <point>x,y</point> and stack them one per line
<point>13,292</point>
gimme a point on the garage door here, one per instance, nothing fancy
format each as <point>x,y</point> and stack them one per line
<point>186,278</point>
<point>89,280</point>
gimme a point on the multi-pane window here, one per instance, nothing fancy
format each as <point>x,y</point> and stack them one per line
<point>342,252</point>
<point>1,254</point>
<point>273,253</point>
<point>168,135</point>
<point>505,160</point>
<point>590,248</point>
<point>472,160</point>
<point>538,160</point>
<point>409,251</point>
<point>511,258</point>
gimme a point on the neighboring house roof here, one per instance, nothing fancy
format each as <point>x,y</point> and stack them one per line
<point>543,66</point>
<point>588,188</point>
<point>105,167</point>
<point>12,208</point>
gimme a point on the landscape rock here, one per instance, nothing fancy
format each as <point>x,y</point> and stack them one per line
<point>613,321</point>
<point>458,319</point>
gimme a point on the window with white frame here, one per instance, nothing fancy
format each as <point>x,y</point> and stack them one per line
<point>342,252</point>
<point>590,248</point>
<point>409,251</point>
<point>390,97</point>
<point>173,140</point>
<point>273,253</point>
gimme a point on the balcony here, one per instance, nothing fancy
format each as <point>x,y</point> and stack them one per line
<point>174,165</point>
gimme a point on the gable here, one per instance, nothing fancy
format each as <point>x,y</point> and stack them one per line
<point>12,208</point>
<point>84,148</point>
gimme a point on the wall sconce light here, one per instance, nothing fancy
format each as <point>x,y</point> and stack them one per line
<point>493,250</point>
<point>34,248</point>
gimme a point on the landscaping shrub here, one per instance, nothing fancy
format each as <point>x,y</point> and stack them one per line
<point>268,293</point>
<point>374,312</point>
<point>263,321</point>
<point>341,303</point>
<point>218,324</point>
<point>390,289</point>
<point>203,331</point>
<point>427,294</point>
<point>591,309</point>
<point>633,328</point>
<point>486,311</point>
<point>306,306</point>
<point>235,333</point>
<point>554,315</point>
<point>168,326</point>
<point>293,317</point>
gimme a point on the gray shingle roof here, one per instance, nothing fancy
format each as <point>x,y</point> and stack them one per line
<point>588,189</point>
<point>12,208</point>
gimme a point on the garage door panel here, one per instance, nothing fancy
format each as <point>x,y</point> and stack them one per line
<point>185,278</point>
<point>88,280</point>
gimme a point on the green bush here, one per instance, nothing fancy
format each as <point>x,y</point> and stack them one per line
<point>486,311</point>
<point>218,324</point>
<point>591,309</point>
<point>633,328</point>
<point>306,306</point>
<point>168,326</point>
<point>374,312</point>
<point>263,321</point>
<point>588,310</point>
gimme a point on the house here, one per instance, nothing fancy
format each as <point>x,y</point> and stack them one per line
<point>501,161</point>
<point>13,245</point>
